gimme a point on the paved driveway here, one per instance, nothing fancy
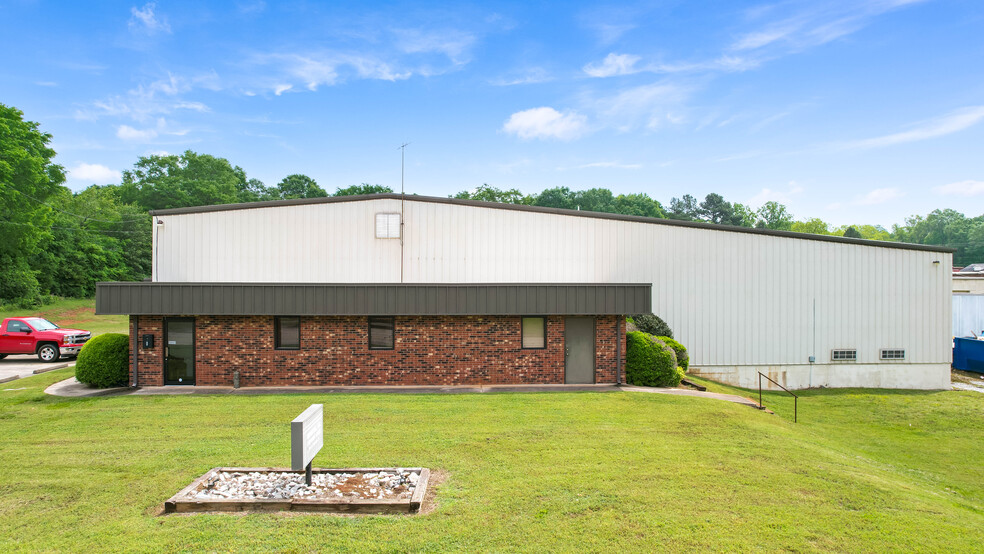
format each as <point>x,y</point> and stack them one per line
<point>25,365</point>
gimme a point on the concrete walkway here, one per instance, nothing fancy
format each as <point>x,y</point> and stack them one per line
<point>72,388</point>
<point>18,366</point>
<point>686,392</point>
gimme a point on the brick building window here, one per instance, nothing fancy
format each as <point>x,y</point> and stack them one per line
<point>382,333</point>
<point>287,333</point>
<point>534,332</point>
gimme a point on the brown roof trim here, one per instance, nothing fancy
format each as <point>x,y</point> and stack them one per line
<point>556,211</point>
<point>390,299</point>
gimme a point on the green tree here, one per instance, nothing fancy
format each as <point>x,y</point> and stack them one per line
<point>852,233</point>
<point>253,190</point>
<point>595,200</point>
<point>364,188</point>
<point>638,204</point>
<point>744,215</point>
<point>715,209</point>
<point>814,225</point>
<point>300,186</point>
<point>488,193</point>
<point>94,237</point>
<point>684,209</point>
<point>773,215</point>
<point>191,179</point>
<point>558,197</point>
<point>28,177</point>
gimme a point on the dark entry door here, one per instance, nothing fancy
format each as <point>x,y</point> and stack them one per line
<point>179,351</point>
<point>579,350</point>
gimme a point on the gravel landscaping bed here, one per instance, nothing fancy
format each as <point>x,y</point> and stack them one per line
<point>366,490</point>
<point>395,484</point>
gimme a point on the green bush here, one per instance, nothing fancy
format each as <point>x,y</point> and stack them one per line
<point>649,362</point>
<point>103,361</point>
<point>653,325</point>
<point>683,359</point>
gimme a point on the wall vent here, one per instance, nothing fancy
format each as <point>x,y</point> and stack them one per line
<point>387,226</point>
<point>892,354</point>
<point>844,355</point>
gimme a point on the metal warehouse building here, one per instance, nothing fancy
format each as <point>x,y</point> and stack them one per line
<point>384,289</point>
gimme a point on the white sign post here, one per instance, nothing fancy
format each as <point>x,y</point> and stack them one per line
<point>307,436</point>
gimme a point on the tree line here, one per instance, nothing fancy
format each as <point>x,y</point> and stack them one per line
<point>56,242</point>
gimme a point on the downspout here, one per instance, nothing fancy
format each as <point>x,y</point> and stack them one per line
<point>618,350</point>
<point>136,347</point>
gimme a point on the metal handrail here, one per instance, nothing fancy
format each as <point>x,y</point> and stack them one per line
<point>795,398</point>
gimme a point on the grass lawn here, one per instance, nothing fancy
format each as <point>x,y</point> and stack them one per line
<point>73,313</point>
<point>863,471</point>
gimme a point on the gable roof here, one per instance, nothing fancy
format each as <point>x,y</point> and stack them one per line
<point>556,211</point>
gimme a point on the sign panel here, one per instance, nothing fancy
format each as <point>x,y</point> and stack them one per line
<point>307,435</point>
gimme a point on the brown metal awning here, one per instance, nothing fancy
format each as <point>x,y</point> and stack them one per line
<point>150,298</point>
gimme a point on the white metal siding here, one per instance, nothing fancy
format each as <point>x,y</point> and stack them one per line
<point>732,298</point>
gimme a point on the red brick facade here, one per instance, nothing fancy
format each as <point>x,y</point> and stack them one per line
<point>429,350</point>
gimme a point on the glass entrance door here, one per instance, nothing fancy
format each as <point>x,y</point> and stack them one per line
<point>179,351</point>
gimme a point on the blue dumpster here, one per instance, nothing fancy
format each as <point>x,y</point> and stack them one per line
<point>968,355</point>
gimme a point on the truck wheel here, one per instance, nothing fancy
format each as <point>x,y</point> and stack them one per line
<point>48,353</point>
<point>2,356</point>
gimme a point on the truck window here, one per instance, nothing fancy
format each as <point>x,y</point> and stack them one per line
<point>41,324</point>
<point>14,326</point>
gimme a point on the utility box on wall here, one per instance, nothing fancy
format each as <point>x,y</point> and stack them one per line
<point>148,341</point>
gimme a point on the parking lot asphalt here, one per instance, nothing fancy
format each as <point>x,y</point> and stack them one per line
<point>18,366</point>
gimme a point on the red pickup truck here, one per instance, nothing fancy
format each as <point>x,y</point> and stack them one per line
<point>36,335</point>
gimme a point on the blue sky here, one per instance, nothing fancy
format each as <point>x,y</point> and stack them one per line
<point>860,111</point>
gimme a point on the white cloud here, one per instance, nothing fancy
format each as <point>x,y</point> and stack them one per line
<point>878,196</point>
<point>783,197</point>
<point>145,18</point>
<point>802,25</point>
<point>250,8</point>
<point>933,128</point>
<point>127,133</point>
<point>604,165</point>
<point>613,64</point>
<point>312,70</point>
<point>962,188</point>
<point>94,173</point>
<point>130,134</point>
<point>543,123</point>
<point>530,76</point>
<point>649,105</point>
<point>451,43</point>
<point>148,101</point>
<point>758,39</point>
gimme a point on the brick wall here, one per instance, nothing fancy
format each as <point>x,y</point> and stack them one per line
<point>150,360</point>
<point>429,350</point>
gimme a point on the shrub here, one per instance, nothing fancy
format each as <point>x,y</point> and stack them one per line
<point>653,325</point>
<point>649,362</point>
<point>103,361</point>
<point>683,359</point>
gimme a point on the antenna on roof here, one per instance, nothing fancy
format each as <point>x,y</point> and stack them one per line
<point>403,163</point>
<point>403,158</point>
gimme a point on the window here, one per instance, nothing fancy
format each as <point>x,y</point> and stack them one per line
<point>844,355</point>
<point>382,332</point>
<point>892,354</point>
<point>17,327</point>
<point>287,331</point>
<point>387,226</point>
<point>534,332</point>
